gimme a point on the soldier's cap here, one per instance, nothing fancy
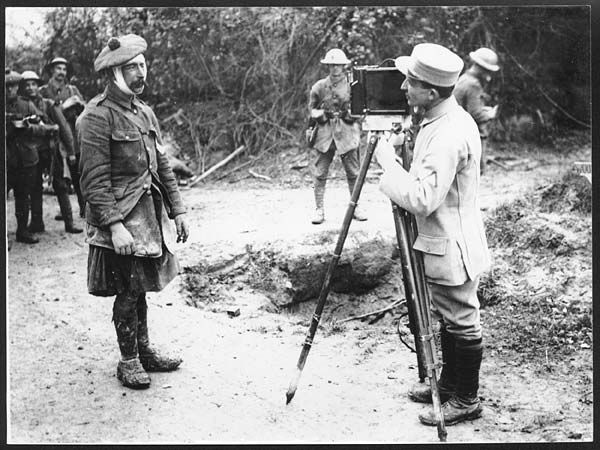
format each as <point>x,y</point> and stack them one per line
<point>11,77</point>
<point>72,101</point>
<point>119,50</point>
<point>431,63</point>
<point>30,75</point>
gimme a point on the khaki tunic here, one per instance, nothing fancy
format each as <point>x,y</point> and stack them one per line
<point>123,167</point>
<point>335,97</point>
<point>441,190</point>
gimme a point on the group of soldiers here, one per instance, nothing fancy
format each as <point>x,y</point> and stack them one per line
<point>40,141</point>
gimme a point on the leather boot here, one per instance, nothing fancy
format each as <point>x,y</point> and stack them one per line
<point>132,374</point>
<point>70,226</point>
<point>358,212</point>
<point>152,360</point>
<point>36,225</point>
<point>421,392</point>
<point>319,191</point>
<point>465,403</point>
<point>23,234</point>
<point>129,370</point>
<point>67,213</point>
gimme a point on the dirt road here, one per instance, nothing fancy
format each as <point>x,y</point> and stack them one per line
<point>62,351</point>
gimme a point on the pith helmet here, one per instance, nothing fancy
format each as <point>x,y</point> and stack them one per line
<point>486,58</point>
<point>11,77</point>
<point>335,56</point>
<point>58,60</point>
<point>30,75</point>
<point>119,50</point>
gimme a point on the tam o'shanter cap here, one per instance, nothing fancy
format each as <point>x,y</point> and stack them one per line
<point>431,63</point>
<point>119,50</point>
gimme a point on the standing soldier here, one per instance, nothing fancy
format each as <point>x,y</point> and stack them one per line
<point>329,105</point>
<point>470,94</point>
<point>130,193</point>
<point>21,151</point>
<point>53,153</point>
<point>59,90</point>
<point>441,190</point>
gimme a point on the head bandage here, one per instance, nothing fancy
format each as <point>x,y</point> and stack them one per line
<point>118,72</point>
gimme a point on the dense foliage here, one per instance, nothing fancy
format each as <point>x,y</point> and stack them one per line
<point>241,75</point>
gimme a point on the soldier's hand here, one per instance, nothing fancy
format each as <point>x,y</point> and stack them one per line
<point>72,159</point>
<point>183,230</point>
<point>122,240</point>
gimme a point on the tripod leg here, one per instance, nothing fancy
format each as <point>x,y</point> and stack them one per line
<point>331,268</point>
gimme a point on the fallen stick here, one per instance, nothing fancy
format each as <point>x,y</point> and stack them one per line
<point>498,163</point>
<point>216,166</point>
<point>244,164</point>
<point>258,175</point>
<point>379,311</point>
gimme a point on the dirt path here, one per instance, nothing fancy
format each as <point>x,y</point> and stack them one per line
<point>231,387</point>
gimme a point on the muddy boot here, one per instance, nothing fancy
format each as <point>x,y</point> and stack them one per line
<point>132,374</point>
<point>319,190</point>
<point>464,404</point>
<point>152,360</point>
<point>129,370</point>
<point>421,392</point>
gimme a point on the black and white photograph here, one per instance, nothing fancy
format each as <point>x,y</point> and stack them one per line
<point>341,224</point>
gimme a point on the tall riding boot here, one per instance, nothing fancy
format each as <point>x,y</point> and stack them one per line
<point>152,360</point>
<point>67,214</point>
<point>421,392</point>
<point>129,370</point>
<point>319,190</point>
<point>22,214</point>
<point>23,234</point>
<point>464,404</point>
<point>358,213</point>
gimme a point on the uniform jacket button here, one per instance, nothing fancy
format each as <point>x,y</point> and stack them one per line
<point>427,249</point>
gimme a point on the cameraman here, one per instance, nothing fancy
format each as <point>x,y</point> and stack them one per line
<point>337,131</point>
<point>21,151</point>
<point>52,160</point>
<point>441,190</point>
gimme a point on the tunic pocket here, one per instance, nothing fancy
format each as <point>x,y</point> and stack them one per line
<point>442,259</point>
<point>123,135</point>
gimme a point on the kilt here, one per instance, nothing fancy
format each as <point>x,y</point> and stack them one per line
<point>110,273</point>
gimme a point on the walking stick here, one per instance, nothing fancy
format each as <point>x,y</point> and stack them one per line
<point>332,265</point>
